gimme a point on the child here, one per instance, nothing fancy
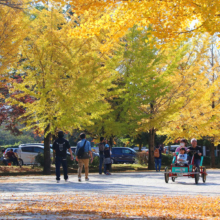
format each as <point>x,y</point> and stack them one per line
<point>182,156</point>
<point>107,160</point>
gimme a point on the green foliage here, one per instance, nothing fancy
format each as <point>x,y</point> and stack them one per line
<point>68,77</point>
<point>167,159</point>
<point>95,162</point>
<point>6,138</point>
<point>142,158</point>
<point>70,162</point>
<point>40,159</point>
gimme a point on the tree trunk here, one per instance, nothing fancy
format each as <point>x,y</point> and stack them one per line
<point>111,142</point>
<point>212,154</point>
<point>140,145</point>
<point>47,160</point>
<point>54,155</point>
<point>151,149</point>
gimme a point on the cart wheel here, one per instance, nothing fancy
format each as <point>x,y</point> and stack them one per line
<point>204,175</point>
<point>166,175</point>
<point>196,175</point>
<point>173,179</point>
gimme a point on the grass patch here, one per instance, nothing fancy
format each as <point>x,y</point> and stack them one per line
<point>30,170</point>
<point>131,166</point>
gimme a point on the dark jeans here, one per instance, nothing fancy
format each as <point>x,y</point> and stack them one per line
<point>108,167</point>
<point>61,160</point>
<point>101,160</point>
<point>196,161</point>
<point>13,160</point>
<point>157,163</point>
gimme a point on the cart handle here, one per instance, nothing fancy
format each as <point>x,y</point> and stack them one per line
<point>174,157</point>
<point>201,162</point>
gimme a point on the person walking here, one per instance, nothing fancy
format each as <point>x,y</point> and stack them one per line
<point>83,153</point>
<point>101,147</point>
<point>60,147</point>
<point>107,159</point>
<point>158,157</point>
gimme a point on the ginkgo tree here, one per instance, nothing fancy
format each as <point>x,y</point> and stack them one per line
<point>158,82</point>
<point>168,18</point>
<point>12,30</point>
<point>67,77</point>
<point>200,116</point>
<point>152,85</point>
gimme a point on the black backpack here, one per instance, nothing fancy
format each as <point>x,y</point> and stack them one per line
<point>80,153</point>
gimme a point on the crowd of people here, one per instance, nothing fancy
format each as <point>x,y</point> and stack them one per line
<point>84,155</point>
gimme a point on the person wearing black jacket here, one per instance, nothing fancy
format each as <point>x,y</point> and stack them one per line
<point>60,147</point>
<point>101,146</point>
<point>197,156</point>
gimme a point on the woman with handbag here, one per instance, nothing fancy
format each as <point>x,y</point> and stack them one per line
<point>107,159</point>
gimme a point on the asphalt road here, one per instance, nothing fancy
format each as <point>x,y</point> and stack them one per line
<point>149,183</point>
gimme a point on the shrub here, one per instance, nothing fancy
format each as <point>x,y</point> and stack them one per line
<point>95,162</point>
<point>142,157</point>
<point>40,159</point>
<point>167,159</point>
<point>206,161</point>
<point>70,162</point>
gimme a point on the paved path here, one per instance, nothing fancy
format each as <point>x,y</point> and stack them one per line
<point>149,183</point>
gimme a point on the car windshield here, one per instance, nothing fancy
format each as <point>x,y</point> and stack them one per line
<point>132,150</point>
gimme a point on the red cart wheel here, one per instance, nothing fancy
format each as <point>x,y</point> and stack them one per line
<point>196,175</point>
<point>166,174</point>
<point>204,175</point>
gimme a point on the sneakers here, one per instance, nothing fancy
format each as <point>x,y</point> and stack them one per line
<point>86,179</point>
<point>108,173</point>
<point>58,181</point>
<point>66,180</point>
<point>79,179</point>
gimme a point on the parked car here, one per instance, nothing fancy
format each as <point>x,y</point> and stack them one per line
<point>4,158</point>
<point>172,148</point>
<point>142,149</point>
<point>123,155</point>
<point>74,153</point>
<point>8,149</point>
<point>28,152</point>
<point>95,149</point>
<point>73,149</point>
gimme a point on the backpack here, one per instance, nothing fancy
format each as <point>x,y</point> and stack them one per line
<point>101,147</point>
<point>156,152</point>
<point>80,152</point>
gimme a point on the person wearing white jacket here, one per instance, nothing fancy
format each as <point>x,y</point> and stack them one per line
<point>182,156</point>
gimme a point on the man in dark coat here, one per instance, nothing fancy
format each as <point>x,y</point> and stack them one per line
<point>60,147</point>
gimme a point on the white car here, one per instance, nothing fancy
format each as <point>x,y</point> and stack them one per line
<point>28,152</point>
